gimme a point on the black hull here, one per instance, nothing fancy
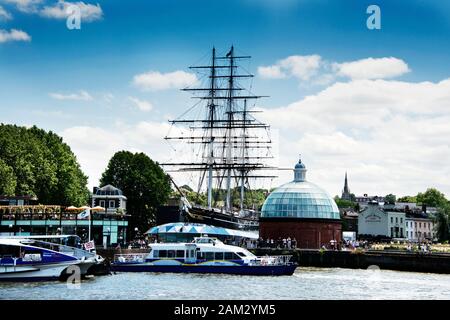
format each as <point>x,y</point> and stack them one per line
<point>217,219</point>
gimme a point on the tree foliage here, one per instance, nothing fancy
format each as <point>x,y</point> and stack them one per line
<point>142,181</point>
<point>443,222</point>
<point>38,163</point>
<point>432,198</point>
<point>409,199</point>
<point>344,204</point>
<point>390,198</point>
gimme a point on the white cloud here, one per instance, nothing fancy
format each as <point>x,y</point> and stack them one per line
<point>372,68</point>
<point>27,6</point>
<point>271,72</point>
<point>13,35</point>
<point>4,15</point>
<point>301,67</point>
<point>89,12</point>
<point>391,136</point>
<point>141,104</point>
<point>94,154</point>
<point>154,80</point>
<point>81,96</point>
<point>314,70</point>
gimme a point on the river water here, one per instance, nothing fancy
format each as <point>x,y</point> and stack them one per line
<point>306,283</point>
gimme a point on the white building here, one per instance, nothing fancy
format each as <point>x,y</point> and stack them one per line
<point>110,198</point>
<point>419,229</point>
<point>374,220</point>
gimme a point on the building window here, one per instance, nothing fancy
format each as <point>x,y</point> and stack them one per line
<point>401,220</point>
<point>396,219</point>
<point>102,203</point>
<point>392,219</point>
<point>392,232</point>
<point>420,224</point>
<point>112,204</point>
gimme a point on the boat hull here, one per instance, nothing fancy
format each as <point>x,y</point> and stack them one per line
<point>277,270</point>
<point>47,272</point>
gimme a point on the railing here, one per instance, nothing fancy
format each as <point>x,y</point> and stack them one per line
<point>75,252</point>
<point>272,260</point>
<point>130,257</point>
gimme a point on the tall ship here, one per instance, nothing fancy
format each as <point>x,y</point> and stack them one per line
<point>231,147</point>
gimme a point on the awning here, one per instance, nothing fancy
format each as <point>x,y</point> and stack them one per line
<point>198,228</point>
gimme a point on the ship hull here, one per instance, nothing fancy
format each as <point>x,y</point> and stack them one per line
<point>277,270</point>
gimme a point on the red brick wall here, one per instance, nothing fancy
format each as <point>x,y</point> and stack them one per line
<point>309,234</point>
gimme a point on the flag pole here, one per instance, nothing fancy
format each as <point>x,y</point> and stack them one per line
<point>89,235</point>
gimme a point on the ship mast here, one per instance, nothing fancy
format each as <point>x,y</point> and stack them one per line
<point>227,133</point>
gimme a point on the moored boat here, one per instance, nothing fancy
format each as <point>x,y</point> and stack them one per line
<point>40,258</point>
<point>203,255</point>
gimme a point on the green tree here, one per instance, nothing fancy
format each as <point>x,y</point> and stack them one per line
<point>143,182</point>
<point>443,222</point>
<point>7,179</point>
<point>341,203</point>
<point>42,165</point>
<point>432,198</point>
<point>390,198</point>
<point>407,199</point>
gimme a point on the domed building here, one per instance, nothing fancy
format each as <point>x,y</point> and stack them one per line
<point>301,210</point>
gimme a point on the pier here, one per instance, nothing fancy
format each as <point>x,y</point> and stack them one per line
<point>386,259</point>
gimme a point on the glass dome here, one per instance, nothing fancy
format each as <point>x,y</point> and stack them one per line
<point>300,199</point>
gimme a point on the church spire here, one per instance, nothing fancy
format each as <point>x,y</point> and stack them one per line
<point>346,190</point>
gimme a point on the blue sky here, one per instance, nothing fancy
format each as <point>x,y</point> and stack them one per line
<point>135,37</point>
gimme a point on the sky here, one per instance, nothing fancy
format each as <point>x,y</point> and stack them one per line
<point>374,103</point>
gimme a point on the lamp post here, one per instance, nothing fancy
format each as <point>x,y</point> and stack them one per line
<point>10,229</point>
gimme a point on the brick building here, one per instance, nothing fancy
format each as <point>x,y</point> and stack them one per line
<point>301,210</point>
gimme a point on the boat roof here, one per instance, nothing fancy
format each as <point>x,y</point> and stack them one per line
<point>199,228</point>
<point>39,237</point>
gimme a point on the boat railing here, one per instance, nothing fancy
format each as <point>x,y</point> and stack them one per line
<point>75,252</point>
<point>272,260</point>
<point>130,257</point>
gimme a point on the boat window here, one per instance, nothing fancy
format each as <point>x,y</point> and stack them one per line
<point>200,255</point>
<point>209,255</point>
<point>163,253</point>
<point>9,251</point>
<point>155,253</point>
<point>170,253</point>
<point>228,255</point>
<point>241,254</point>
<point>180,253</point>
<point>218,256</point>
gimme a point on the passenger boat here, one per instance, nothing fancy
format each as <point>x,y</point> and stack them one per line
<point>40,258</point>
<point>202,255</point>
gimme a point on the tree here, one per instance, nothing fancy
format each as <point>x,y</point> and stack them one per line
<point>407,199</point>
<point>142,181</point>
<point>344,204</point>
<point>38,163</point>
<point>443,223</point>
<point>8,180</point>
<point>390,198</point>
<point>432,198</point>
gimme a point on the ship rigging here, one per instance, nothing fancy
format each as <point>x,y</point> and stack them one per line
<point>234,146</point>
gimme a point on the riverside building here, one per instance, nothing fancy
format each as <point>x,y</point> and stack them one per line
<point>377,221</point>
<point>303,211</point>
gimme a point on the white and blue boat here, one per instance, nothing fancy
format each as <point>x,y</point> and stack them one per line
<point>202,255</point>
<point>41,258</point>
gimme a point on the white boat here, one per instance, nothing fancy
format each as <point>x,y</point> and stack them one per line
<point>39,258</point>
<point>203,255</point>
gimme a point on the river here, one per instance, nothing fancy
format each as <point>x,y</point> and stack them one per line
<point>306,283</point>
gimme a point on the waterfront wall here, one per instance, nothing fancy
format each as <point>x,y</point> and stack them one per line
<point>400,261</point>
